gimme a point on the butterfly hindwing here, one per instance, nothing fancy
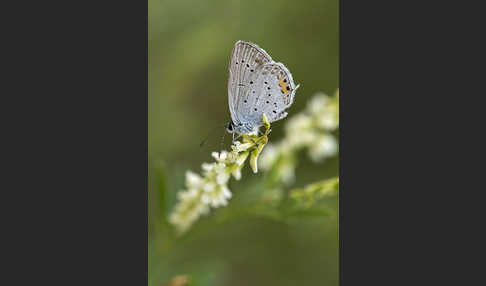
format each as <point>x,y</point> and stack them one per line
<point>273,92</point>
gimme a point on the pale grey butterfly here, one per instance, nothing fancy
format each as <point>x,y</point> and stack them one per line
<point>257,85</point>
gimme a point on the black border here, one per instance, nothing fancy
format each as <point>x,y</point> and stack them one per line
<point>79,198</point>
<point>405,120</point>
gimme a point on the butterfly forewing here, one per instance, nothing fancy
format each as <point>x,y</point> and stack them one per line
<point>245,60</point>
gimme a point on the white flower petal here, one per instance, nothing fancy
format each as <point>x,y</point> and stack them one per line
<point>325,146</point>
<point>328,120</point>
<point>317,103</point>
<point>237,173</point>
<point>226,192</point>
<point>192,180</point>
<point>209,187</point>
<point>207,166</point>
<point>269,156</point>
<point>223,155</point>
<point>241,147</point>
<point>205,198</point>
<point>222,178</point>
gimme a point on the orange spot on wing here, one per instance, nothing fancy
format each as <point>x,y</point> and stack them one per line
<point>283,86</point>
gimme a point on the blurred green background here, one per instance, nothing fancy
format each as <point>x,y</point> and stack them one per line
<point>189,48</point>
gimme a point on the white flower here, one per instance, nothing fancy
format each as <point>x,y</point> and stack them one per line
<point>238,159</point>
<point>211,189</point>
<point>309,130</point>
<point>221,173</point>
<point>299,131</point>
<point>239,147</point>
<point>193,180</point>
<point>209,186</point>
<point>301,138</point>
<point>324,146</point>
<point>218,197</point>
<point>236,173</point>
<point>317,103</point>
<point>187,210</point>
<point>287,172</point>
<point>329,118</point>
<point>222,178</point>
<point>220,157</point>
<point>207,167</point>
<point>298,122</point>
<point>268,156</point>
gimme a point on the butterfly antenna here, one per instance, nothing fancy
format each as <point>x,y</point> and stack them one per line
<point>204,141</point>
<point>207,137</point>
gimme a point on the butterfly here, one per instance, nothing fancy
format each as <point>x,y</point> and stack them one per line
<point>256,85</point>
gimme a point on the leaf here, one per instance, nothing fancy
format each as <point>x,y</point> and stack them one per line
<point>315,191</point>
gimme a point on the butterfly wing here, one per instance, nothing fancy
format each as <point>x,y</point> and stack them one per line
<point>246,59</point>
<point>271,91</point>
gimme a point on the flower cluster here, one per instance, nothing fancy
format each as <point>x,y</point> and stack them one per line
<point>211,189</point>
<point>311,193</point>
<point>310,129</point>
